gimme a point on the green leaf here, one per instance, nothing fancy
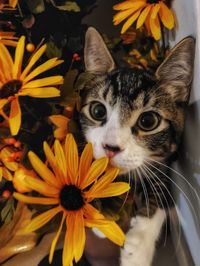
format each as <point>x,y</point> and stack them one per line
<point>36,6</point>
<point>52,50</point>
<point>68,94</point>
<point>67,6</point>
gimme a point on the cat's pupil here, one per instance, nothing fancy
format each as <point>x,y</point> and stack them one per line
<point>148,121</point>
<point>98,111</point>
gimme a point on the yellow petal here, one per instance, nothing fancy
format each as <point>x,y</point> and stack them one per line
<point>120,16</point>
<point>112,190</point>
<point>59,120</point>
<point>130,21</point>
<point>166,16</point>
<point>53,163</point>
<point>155,11</point>
<point>60,157</point>
<point>72,159</point>
<point>79,235</point>
<point>68,254</point>
<point>85,162</point>
<point>3,102</point>
<point>91,213</point>
<point>42,169</point>
<point>143,16</point>
<point>45,92</point>
<point>96,170</point>
<point>49,81</point>
<point>36,56</point>
<point>1,173</point>
<point>5,154</point>
<point>15,117</point>
<point>41,187</point>
<point>110,229</point>
<point>6,174</point>
<point>42,219</point>
<point>55,240</point>
<point>60,133</point>
<point>7,62</point>
<point>13,3</point>
<point>35,200</point>
<point>155,28</point>
<point>103,182</point>
<point>128,4</point>
<point>19,53</point>
<point>42,68</point>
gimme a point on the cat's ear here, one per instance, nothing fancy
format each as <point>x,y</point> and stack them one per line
<point>96,55</point>
<point>176,72</point>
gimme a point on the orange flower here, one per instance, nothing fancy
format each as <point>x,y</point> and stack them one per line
<point>15,82</point>
<point>70,186</point>
<point>150,12</point>
<point>61,123</point>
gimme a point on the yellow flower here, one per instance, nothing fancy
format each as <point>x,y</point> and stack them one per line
<point>8,38</point>
<point>6,166</point>
<point>150,12</point>
<point>61,122</point>
<point>71,185</point>
<point>15,82</point>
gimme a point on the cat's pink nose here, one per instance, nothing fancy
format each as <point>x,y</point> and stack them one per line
<point>111,150</point>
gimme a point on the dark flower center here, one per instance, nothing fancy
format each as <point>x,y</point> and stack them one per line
<point>71,198</point>
<point>153,1</point>
<point>10,88</point>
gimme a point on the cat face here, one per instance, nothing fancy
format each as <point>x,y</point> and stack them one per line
<point>130,116</point>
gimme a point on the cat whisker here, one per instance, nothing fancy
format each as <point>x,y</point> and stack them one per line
<point>178,187</point>
<point>145,190</point>
<point>169,211</point>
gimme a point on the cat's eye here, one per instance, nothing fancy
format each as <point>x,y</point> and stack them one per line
<point>149,121</point>
<point>98,111</point>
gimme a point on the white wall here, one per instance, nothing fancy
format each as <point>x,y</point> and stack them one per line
<point>188,18</point>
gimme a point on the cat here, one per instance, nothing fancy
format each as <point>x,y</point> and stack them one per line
<point>137,119</point>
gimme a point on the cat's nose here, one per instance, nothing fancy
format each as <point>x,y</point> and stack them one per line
<point>111,150</point>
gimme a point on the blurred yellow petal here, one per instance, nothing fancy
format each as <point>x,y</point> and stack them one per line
<point>7,62</point>
<point>155,28</point>
<point>85,162</point>
<point>36,56</point>
<point>42,68</point>
<point>91,213</point>
<point>72,159</point>
<point>166,16</point>
<point>6,174</point>
<point>143,17</point>
<point>122,15</point>
<point>1,173</point>
<point>35,200</point>
<point>59,120</point>
<point>55,240</point>
<point>155,11</point>
<point>42,219</point>
<point>60,157</point>
<point>13,3</point>
<point>130,21</point>
<point>44,92</point>
<point>79,235</point>
<point>110,229</point>
<point>68,255</point>
<point>96,170</point>
<point>60,133</point>
<point>114,189</point>
<point>42,169</point>
<point>3,102</point>
<point>49,81</point>
<point>41,187</point>
<point>5,154</point>
<point>15,117</point>
<point>102,183</point>
<point>19,53</point>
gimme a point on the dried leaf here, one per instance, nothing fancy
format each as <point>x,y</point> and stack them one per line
<point>13,240</point>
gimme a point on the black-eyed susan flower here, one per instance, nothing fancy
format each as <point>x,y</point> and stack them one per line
<point>150,12</point>
<point>70,185</point>
<point>16,82</point>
